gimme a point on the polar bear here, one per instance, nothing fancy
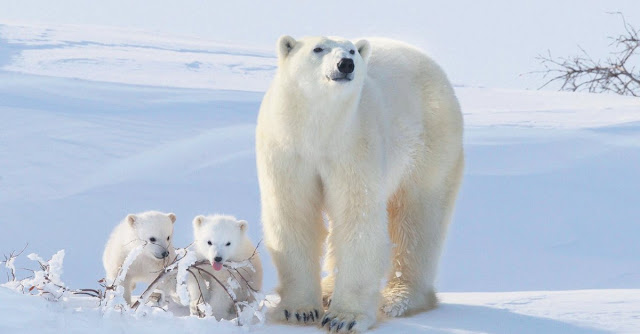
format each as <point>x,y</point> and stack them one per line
<point>152,229</point>
<point>370,133</point>
<point>218,239</point>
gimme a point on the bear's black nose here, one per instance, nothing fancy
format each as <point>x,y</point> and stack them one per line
<point>165,254</point>
<point>217,259</point>
<point>345,65</point>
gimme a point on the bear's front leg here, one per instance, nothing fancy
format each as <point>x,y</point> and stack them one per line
<point>294,232</point>
<point>198,293</point>
<point>361,248</point>
<point>128,286</point>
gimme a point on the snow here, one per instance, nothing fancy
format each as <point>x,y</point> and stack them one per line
<point>181,277</point>
<point>99,122</point>
<point>56,268</point>
<point>132,57</point>
<point>128,261</point>
<point>566,312</point>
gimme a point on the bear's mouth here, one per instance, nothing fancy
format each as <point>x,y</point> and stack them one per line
<point>342,78</point>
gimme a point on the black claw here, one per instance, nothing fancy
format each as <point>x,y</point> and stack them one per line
<point>324,321</point>
<point>286,314</point>
<point>334,322</point>
<point>317,317</point>
<point>305,317</point>
<point>353,323</point>
<point>340,326</point>
<point>311,316</point>
<point>298,316</point>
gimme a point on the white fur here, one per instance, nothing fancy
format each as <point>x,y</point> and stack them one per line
<point>133,231</point>
<point>220,230</point>
<point>381,155</point>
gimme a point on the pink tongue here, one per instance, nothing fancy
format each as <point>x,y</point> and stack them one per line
<point>217,266</point>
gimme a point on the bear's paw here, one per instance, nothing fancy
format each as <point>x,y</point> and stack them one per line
<point>302,315</point>
<point>335,321</point>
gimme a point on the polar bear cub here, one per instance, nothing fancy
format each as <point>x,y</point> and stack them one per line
<point>220,239</point>
<point>153,230</point>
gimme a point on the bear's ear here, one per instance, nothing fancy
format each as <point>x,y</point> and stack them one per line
<point>284,46</point>
<point>243,224</point>
<point>172,216</point>
<point>198,221</point>
<point>364,49</point>
<point>131,219</point>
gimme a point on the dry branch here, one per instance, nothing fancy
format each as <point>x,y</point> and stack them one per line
<point>617,73</point>
<point>8,261</point>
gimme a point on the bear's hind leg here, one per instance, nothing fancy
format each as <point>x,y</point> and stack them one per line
<point>419,216</point>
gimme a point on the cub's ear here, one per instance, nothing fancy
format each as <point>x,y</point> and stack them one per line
<point>243,224</point>
<point>131,219</point>
<point>364,49</point>
<point>284,46</point>
<point>172,216</point>
<point>198,221</point>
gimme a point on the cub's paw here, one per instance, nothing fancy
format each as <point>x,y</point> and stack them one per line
<point>345,322</point>
<point>302,315</point>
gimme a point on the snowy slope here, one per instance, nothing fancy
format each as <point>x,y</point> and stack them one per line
<point>133,57</point>
<point>548,201</point>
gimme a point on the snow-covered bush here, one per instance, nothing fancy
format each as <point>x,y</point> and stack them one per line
<point>46,281</point>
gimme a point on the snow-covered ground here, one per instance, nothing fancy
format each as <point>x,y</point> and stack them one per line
<point>563,312</point>
<point>99,122</point>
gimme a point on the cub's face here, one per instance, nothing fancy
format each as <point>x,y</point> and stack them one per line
<point>155,229</point>
<point>217,238</point>
<point>321,63</point>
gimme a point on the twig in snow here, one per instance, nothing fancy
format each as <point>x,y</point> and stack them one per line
<point>9,263</point>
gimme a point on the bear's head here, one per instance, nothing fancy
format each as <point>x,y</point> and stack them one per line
<point>323,65</point>
<point>218,238</point>
<point>156,230</point>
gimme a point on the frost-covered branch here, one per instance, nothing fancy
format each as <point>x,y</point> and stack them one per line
<point>46,281</point>
<point>185,264</point>
<point>9,263</point>
<point>226,289</point>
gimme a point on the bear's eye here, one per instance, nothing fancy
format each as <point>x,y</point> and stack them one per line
<point>352,52</point>
<point>228,243</point>
<point>209,242</point>
<point>152,239</point>
<point>168,238</point>
<point>317,50</point>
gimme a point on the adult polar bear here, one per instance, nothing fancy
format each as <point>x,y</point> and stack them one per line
<point>371,134</point>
